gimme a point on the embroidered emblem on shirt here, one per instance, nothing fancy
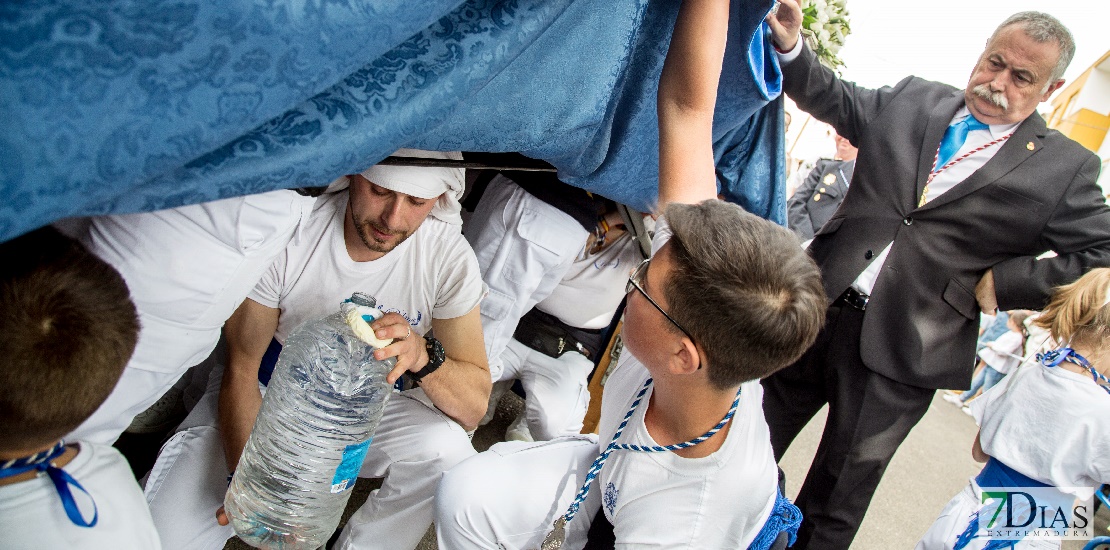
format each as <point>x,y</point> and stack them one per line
<point>609,499</point>
<point>413,320</point>
<point>614,263</point>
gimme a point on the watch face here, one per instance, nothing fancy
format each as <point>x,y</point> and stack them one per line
<point>436,355</point>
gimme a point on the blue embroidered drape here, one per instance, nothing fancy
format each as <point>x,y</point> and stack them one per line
<point>120,106</point>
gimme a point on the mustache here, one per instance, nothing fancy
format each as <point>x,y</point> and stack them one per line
<point>998,99</point>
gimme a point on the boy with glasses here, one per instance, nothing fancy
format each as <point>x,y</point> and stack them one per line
<point>684,456</point>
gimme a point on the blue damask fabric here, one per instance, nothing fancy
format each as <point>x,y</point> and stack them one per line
<point>120,106</point>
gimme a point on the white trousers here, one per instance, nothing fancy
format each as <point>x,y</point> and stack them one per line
<point>524,248</point>
<point>509,496</point>
<point>557,392</point>
<point>413,445</point>
<point>953,521</point>
<point>188,269</point>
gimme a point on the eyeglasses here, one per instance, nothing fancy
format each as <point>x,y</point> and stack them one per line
<point>635,281</point>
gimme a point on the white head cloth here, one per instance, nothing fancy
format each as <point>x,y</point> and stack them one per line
<point>425,182</point>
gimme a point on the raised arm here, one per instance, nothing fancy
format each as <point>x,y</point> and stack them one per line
<point>249,332</point>
<point>816,89</point>
<point>687,97</point>
<point>461,386</point>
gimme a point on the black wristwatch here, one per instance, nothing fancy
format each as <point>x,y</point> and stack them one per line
<point>436,357</point>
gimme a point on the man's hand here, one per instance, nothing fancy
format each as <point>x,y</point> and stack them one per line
<point>984,294</point>
<point>408,347</point>
<point>786,24</point>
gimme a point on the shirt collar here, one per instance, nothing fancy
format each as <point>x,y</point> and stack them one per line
<point>996,130</point>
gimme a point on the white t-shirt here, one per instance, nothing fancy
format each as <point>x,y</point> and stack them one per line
<point>1003,353</point>
<point>432,274</point>
<point>1049,424</point>
<point>666,501</point>
<point>32,516</point>
<point>593,287</point>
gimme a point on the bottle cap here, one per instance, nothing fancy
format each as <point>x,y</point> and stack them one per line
<point>359,317</point>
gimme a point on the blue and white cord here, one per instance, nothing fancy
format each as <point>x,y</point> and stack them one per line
<point>1059,355</point>
<point>595,468</point>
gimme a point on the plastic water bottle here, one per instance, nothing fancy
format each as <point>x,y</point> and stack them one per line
<point>317,419</point>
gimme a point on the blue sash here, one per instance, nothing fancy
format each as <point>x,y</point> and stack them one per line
<point>997,474</point>
<point>784,517</point>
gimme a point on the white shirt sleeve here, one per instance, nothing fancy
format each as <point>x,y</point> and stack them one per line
<point>786,58</point>
<point>269,288</point>
<point>459,282</point>
<point>661,236</point>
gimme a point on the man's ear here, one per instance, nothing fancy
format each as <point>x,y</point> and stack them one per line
<point>1052,88</point>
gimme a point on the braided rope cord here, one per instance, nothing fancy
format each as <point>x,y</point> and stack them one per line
<point>595,468</point>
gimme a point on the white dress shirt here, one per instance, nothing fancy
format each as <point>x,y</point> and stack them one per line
<point>945,181</point>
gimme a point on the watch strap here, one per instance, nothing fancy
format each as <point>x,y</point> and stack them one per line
<point>436,357</point>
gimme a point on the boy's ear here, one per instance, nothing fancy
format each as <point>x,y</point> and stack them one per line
<point>687,358</point>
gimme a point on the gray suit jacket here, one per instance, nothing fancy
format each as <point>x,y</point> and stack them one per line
<point>1037,194</point>
<point>818,197</point>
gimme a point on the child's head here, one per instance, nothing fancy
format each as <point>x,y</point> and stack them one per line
<point>749,295</point>
<point>1078,314</point>
<point>67,329</point>
<point>1016,320</point>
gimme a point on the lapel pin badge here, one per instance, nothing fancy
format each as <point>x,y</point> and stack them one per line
<point>1029,146</point>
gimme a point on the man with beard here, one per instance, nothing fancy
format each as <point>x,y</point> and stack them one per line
<point>394,235</point>
<point>955,195</point>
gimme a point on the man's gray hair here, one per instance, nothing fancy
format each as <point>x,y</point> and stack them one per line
<point>1042,27</point>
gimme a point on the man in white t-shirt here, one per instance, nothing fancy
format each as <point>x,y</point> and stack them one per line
<point>393,235</point>
<point>726,298</point>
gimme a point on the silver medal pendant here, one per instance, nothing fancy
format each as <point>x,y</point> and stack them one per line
<point>555,537</point>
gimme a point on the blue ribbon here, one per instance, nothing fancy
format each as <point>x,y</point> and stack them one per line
<point>43,462</point>
<point>1060,355</point>
<point>784,517</point>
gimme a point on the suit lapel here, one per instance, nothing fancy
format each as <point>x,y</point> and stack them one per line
<point>1024,143</point>
<point>934,130</point>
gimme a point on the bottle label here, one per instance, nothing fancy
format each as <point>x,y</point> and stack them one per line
<point>347,472</point>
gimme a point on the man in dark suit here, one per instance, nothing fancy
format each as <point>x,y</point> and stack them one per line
<point>815,201</point>
<point>933,232</point>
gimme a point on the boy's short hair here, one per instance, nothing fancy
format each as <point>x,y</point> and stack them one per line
<point>749,295</point>
<point>67,329</point>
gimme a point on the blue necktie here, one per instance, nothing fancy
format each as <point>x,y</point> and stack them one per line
<point>954,138</point>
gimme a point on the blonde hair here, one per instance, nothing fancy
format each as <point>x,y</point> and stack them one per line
<point>1078,314</point>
